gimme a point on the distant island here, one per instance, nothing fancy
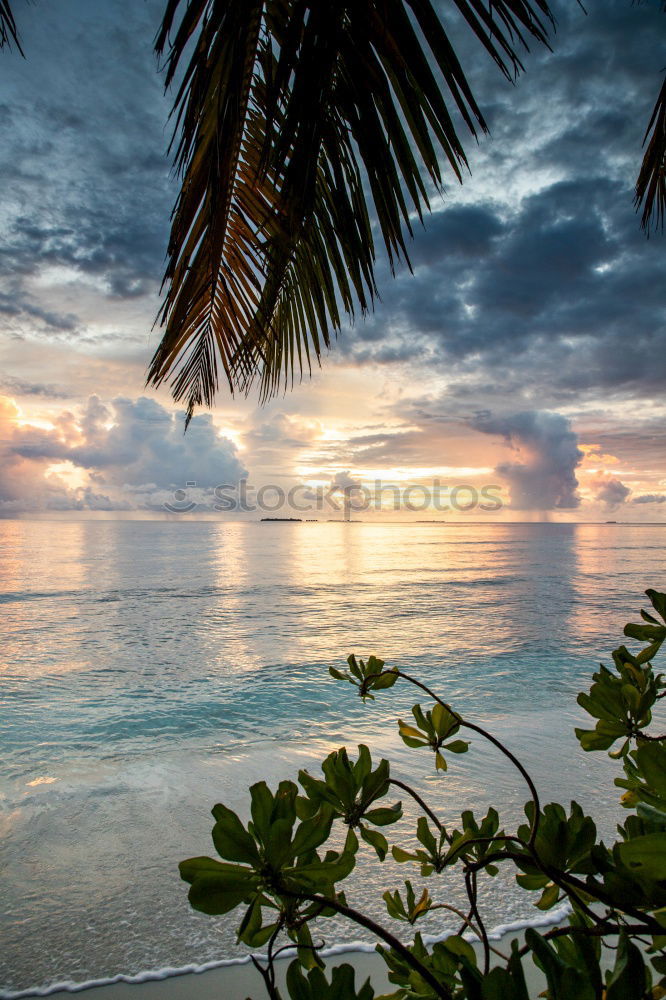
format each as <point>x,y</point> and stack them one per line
<point>282,519</point>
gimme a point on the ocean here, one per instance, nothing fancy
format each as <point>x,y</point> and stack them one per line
<point>151,669</point>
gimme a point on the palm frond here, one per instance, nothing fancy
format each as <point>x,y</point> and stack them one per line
<point>8,30</point>
<point>296,122</point>
<point>651,183</point>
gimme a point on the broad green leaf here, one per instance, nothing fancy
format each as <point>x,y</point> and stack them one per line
<point>384,816</point>
<point>651,761</point>
<point>194,868</point>
<point>648,654</point>
<point>628,979</point>
<point>375,839</point>
<point>658,602</point>
<point>231,839</point>
<point>395,905</point>
<point>401,855</point>
<point>549,897</point>
<point>217,890</point>
<point>424,835</point>
<point>458,946</point>
<point>412,733</point>
<point>439,718</point>
<point>277,843</point>
<point>593,740</point>
<point>363,765</point>
<point>307,955</point>
<point>646,855</point>
<point>313,832</point>
<point>322,873</point>
<point>261,807</point>
<point>251,930</point>
<point>531,882</point>
<point>500,984</point>
<point>387,680</point>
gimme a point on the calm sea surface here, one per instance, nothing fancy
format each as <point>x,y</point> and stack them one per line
<point>151,669</point>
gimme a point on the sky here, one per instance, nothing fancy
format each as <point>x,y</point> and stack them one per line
<point>517,374</point>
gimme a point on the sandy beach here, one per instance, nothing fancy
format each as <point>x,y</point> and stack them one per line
<point>243,982</point>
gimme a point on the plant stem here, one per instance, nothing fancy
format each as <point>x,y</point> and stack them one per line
<point>360,918</point>
<point>466,922</point>
<point>470,885</point>
<point>488,736</point>
<point>605,931</point>
<point>424,805</point>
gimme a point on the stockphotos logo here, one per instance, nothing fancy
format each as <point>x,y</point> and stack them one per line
<point>302,499</point>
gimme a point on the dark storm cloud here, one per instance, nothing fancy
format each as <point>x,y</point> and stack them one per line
<point>543,474</point>
<point>549,290</point>
<point>549,304</point>
<point>650,498</point>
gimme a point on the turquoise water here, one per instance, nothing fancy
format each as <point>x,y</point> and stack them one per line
<point>150,669</point>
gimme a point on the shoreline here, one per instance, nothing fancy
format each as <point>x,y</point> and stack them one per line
<point>238,979</point>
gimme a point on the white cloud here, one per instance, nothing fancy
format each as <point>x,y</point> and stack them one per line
<point>130,454</point>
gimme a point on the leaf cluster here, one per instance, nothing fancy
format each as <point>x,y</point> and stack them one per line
<point>367,677</point>
<point>433,728</point>
<point>622,699</point>
<point>351,791</point>
<point>280,868</point>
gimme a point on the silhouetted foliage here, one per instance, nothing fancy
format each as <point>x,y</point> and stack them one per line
<point>279,868</point>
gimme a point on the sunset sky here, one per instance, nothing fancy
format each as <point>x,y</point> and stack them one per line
<point>527,350</point>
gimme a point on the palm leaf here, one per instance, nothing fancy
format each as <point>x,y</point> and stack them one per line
<point>296,122</point>
<point>651,183</point>
<point>8,31</point>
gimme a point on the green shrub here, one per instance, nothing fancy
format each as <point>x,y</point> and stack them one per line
<point>278,868</point>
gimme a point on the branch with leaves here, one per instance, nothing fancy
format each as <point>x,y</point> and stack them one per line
<point>296,122</point>
<point>281,868</point>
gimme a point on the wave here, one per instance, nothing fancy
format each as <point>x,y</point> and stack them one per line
<point>350,947</point>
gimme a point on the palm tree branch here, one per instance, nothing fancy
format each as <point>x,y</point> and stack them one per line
<point>207,301</point>
<point>296,123</point>
<point>8,29</point>
<point>651,183</point>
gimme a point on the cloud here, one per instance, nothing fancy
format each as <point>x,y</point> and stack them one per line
<point>609,491</point>
<point>650,498</point>
<point>342,481</point>
<point>128,454</point>
<point>533,288</point>
<point>539,310</point>
<point>22,387</point>
<point>543,477</point>
<point>100,224</point>
<point>280,429</point>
